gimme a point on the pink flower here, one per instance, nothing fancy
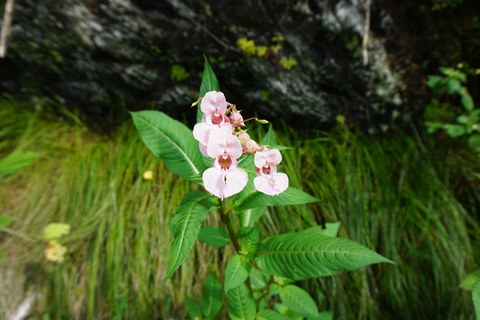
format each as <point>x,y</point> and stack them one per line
<point>268,180</point>
<point>236,119</point>
<point>249,145</point>
<point>214,105</point>
<point>225,178</point>
<point>202,132</point>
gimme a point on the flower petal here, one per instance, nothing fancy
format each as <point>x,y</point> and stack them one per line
<point>222,141</point>
<point>236,180</point>
<point>271,185</point>
<point>214,181</point>
<point>201,132</point>
<point>214,101</point>
<point>268,157</point>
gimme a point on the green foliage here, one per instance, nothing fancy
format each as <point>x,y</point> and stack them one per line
<point>240,304</point>
<point>249,217</point>
<point>186,223</point>
<point>212,296</point>
<point>178,73</point>
<point>311,254</point>
<point>469,282</point>
<point>15,161</point>
<point>476,299</point>
<point>214,236</point>
<point>193,308</point>
<point>5,221</point>
<point>291,196</point>
<point>209,83</point>
<point>299,301</point>
<point>442,112</point>
<point>171,141</point>
<point>266,314</point>
<point>236,273</point>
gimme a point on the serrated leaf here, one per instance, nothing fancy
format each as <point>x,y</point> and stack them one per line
<point>291,196</point>
<point>303,255</point>
<point>266,314</point>
<point>250,216</point>
<point>298,301</point>
<point>214,236</point>
<point>5,221</point>
<point>476,299</point>
<point>258,279</point>
<point>330,230</point>
<point>186,223</point>
<point>209,83</point>
<point>270,137</point>
<point>251,241</point>
<point>212,296</point>
<point>171,141</point>
<point>54,231</point>
<point>193,308</point>
<point>240,304</point>
<point>236,273</point>
<point>470,280</point>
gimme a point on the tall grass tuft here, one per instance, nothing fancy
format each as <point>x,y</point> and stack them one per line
<point>391,195</point>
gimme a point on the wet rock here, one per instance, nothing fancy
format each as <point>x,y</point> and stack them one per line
<point>106,57</point>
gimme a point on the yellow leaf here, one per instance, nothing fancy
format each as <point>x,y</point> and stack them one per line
<point>54,231</point>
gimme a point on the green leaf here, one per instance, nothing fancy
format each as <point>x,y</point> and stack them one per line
<point>240,305</point>
<point>193,308</point>
<point>236,273</point>
<point>15,161</point>
<point>306,254</point>
<point>291,196</point>
<point>5,221</point>
<point>330,230</point>
<point>326,315</point>
<point>470,280</point>
<point>209,83</point>
<point>212,296</point>
<point>454,130</point>
<point>214,236</point>
<point>186,223</point>
<point>250,216</point>
<point>1,257</point>
<point>266,314</point>
<point>171,141</point>
<point>467,101</point>
<point>55,231</point>
<point>474,142</point>
<point>476,299</point>
<point>258,279</point>
<point>251,241</point>
<point>298,301</point>
<point>270,137</point>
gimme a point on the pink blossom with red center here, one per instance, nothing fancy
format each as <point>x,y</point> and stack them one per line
<point>268,180</point>
<point>224,179</point>
<point>214,105</point>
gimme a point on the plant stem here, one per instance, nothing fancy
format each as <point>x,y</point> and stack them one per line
<point>228,223</point>
<point>20,235</point>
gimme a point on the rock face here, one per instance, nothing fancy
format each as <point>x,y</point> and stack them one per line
<point>305,66</point>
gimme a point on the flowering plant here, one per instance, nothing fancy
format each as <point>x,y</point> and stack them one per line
<point>238,180</point>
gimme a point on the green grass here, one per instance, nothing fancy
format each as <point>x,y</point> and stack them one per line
<point>395,195</point>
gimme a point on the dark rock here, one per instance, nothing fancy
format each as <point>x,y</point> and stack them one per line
<point>106,57</point>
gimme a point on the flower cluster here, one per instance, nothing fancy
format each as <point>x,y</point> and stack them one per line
<point>221,137</point>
